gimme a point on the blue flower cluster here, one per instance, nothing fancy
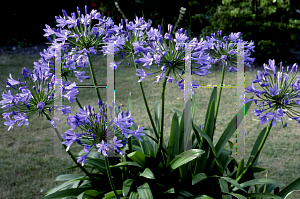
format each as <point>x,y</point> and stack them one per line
<point>226,49</point>
<point>94,127</point>
<point>280,92</point>
<point>33,95</point>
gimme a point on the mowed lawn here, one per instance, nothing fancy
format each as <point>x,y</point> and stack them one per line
<point>29,165</point>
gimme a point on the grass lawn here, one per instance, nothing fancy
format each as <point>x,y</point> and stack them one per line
<point>28,165</point>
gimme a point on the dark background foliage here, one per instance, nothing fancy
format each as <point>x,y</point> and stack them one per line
<point>274,26</point>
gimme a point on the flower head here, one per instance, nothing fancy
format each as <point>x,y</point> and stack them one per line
<point>279,92</point>
<point>225,50</point>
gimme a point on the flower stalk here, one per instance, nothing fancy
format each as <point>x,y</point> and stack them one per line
<point>145,100</point>
<point>257,152</point>
<point>162,115</point>
<point>93,76</point>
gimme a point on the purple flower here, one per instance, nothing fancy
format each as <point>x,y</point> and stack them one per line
<point>102,148</point>
<point>7,98</point>
<point>230,69</point>
<point>153,34</point>
<point>180,38</point>
<point>9,123</point>
<point>159,77</point>
<point>54,121</point>
<point>21,118</point>
<point>40,106</point>
<point>147,60</point>
<point>114,65</point>
<point>170,80</point>
<point>71,95</point>
<point>275,116</point>
<point>271,66</point>
<point>263,118</point>
<point>80,75</point>
<point>12,81</point>
<point>274,91</point>
<point>70,138</point>
<point>87,150</point>
<point>142,74</point>
<point>234,36</point>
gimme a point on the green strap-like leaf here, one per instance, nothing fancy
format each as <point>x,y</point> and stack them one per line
<point>291,187</point>
<point>63,186</point>
<point>66,193</point>
<point>173,146</point>
<point>201,197</point>
<point>124,164</point>
<point>258,181</point>
<point>134,195</point>
<point>230,129</point>
<point>224,188</point>
<point>240,168</point>
<point>138,157</point>
<point>126,186</point>
<point>147,173</point>
<point>233,182</point>
<point>145,191</point>
<point>199,177</point>
<point>239,196</point>
<point>68,177</point>
<point>184,158</point>
<point>111,195</point>
<point>172,190</point>
<point>201,163</point>
<point>265,195</point>
<point>205,136</point>
<point>256,146</point>
<point>92,193</point>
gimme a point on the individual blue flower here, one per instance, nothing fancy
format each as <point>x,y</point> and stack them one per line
<point>147,60</point>
<point>86,150</point>
<point>274,91</point>
<point>54,121</point>
<point>271,66</point>
<point>142,74</point>
<point>102,148</point>
<point>275,117</point>
<point>263,118</point>
<point>40,106</point>
<point>70,138</point>
<point>9,123</point>
<point>80,75</point>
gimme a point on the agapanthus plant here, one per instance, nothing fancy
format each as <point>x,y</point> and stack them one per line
<point>276,99</point>
<point>148,169</point>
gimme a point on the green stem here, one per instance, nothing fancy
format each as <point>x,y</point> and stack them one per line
<point>257,152</point>
<point>93,76</point>
<point>162,113</point>
<point>110,178</point>
<point>70,153</point>
<point>146,104</point>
